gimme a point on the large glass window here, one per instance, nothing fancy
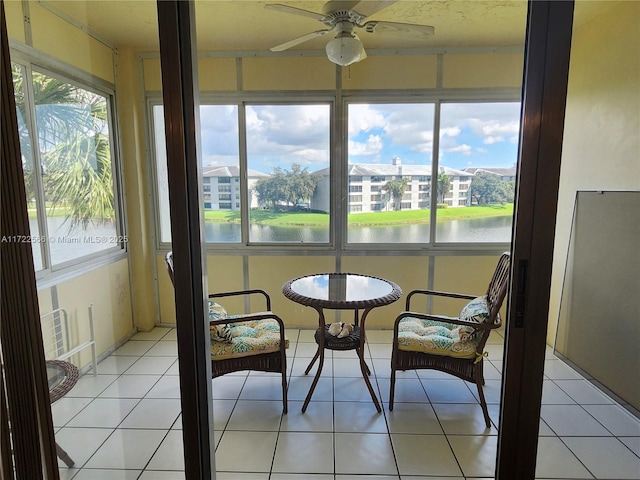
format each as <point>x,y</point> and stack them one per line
<point>221,164</point>
<point>390,150</point>
<point>398,179</point>
<point>68,168</point>
<point>288,172</point>
<point>476,180</point>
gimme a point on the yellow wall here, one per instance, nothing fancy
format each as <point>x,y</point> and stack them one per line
<point>61,40</point>
<point>467,274</point>
<point>137,172</point>
<point>601,149</point>
<point>107,289</point>
<point>484,70</point>
<point>15,24</point>
<point>377,72</point>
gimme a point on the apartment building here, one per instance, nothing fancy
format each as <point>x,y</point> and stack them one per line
<point>221,187</point>
<point>368,193</point>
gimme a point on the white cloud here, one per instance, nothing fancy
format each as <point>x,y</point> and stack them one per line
<point>281,135</point>
<point>363,118</point>
<point>372,146</point>
<point>450,131</point>
<point>464,149</point>
<point>492,140</point>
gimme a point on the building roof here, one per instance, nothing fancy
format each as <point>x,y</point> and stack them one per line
<point>503,172</point>
<point>228,171</point>
<point>373,169</point>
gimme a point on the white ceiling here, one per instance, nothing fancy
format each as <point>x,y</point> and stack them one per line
<point>245,25</point>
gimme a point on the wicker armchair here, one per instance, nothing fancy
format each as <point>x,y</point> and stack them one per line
<point>423,341</point>
<point>258,341</point>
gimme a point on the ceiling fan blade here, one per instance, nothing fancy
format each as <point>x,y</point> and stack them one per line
<point>296,11</point>
<point>397,28</point>
<point>299,40</point>
<point>369,7</point>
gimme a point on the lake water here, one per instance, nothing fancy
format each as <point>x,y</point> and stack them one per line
<point>479,230</point>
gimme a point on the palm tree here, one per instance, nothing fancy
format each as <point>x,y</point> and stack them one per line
<point>396,189</point>
<point>74,149</point>
<point>444,185</point>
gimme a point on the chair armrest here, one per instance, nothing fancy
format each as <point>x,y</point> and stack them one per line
<point>436,293</point>
<point>244,292</point>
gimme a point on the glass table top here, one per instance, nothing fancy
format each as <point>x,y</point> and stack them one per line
<point>342,287</point>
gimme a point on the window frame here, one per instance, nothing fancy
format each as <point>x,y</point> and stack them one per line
<point>29,61</point>
<point>340,187</point>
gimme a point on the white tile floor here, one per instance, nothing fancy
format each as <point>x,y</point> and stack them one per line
<point>125,423</point>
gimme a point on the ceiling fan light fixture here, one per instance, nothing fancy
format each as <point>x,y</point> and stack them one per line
<point>345,50</point>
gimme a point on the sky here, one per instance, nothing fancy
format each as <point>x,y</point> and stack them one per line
<point>471,135</point>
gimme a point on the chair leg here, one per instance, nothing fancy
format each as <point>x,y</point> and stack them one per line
<point>64,456</point>
<point>483,402</point>
<point>284,383</point>
<point>392,388</point>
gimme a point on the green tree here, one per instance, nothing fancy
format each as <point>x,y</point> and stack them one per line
<point>444,185</point>
<point>396,189</point>
<point>74,150</point>
<point>489,188</point>
<point>285,188</point>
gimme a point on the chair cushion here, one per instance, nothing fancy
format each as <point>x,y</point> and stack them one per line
<point>219,332</point>
<point>476,310</point>
<point>249,338</point>
<point>439,338</point>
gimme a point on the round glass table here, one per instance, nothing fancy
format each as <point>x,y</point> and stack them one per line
<point>341,291</point>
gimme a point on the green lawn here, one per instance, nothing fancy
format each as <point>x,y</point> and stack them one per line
<point>267,217</point>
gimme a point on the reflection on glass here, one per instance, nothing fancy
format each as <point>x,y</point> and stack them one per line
<point>389,173</point>
<point>288,172</point>
<point>479,146</point>
<point>341,287</point>
<point>27,164</point>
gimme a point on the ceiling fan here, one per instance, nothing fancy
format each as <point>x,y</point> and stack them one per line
<point>342,18</point>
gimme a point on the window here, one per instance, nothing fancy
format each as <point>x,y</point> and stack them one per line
<point>289,176</point>
<point>393,144</point>
<point>68,168</point>
<point>478,144</point>
<point>272,182</point>
<point>220,157</point>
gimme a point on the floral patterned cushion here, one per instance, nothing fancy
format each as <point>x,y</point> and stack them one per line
<point>476,310</point>
<point>219,332</point>
<point>249,338</point>
<point>429,336</point>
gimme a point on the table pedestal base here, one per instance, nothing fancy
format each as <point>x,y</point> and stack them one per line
<point>350,342</point>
